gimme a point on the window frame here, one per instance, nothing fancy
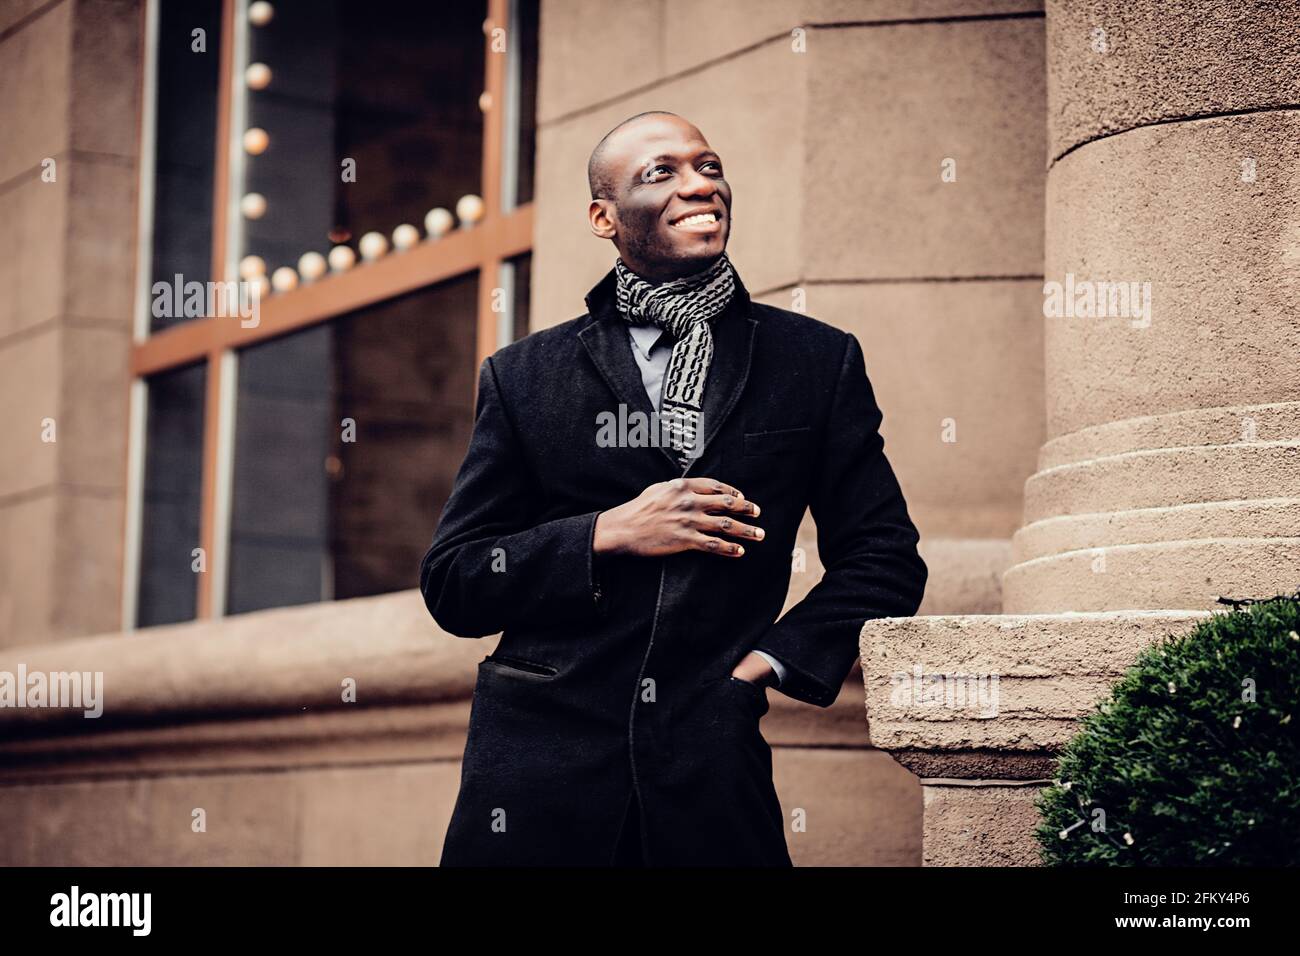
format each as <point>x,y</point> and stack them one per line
<point>504,233</point>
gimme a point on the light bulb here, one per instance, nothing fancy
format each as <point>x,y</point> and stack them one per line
<point>342,258</point>
<point>373,245</point>
<point>438,222</point>
<point>469,209</point>
<point>253,206</point>
<point>257,76</point>
<point>255,141</point>
<point>284,279</point>
<point>405,236</point>
<point>260,13</point>
<point>250,267</point>
<point>311,266</point>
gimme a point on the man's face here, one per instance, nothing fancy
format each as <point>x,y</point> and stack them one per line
<point>671,215</point>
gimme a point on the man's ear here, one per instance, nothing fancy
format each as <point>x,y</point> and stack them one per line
<point>603,219</point>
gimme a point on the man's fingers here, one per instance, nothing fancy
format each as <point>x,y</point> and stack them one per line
<point>727,549</point>
<point>721,524</point>
<point>727,502</point>
<point>711,486</point>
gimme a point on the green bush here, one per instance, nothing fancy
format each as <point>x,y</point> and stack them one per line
<point>1194,759</point>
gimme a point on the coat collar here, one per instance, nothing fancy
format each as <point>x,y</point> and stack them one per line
<point>606,340</point>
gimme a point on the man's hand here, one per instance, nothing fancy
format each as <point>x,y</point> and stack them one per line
<point>755,669</point>
<point>684,514</point>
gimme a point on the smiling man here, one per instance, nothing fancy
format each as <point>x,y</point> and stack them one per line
<point>636,584</point>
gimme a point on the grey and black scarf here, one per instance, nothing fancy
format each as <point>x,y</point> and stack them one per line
<point>684,308</point>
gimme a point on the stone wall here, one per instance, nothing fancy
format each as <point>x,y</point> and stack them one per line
<point>67,255</point>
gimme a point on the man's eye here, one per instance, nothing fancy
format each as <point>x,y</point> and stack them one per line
<point>652,171</point>
<point>715,165</point>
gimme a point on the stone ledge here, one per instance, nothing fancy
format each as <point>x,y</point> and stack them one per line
<point>265,689</point>
<point>1050,670</point>
<point>352,736</point>
<point>281,661</point>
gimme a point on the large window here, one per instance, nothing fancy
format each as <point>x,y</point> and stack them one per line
<point>363,170</point>
<point>346,431</point>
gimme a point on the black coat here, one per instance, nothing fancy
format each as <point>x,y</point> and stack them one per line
<point>613,672</point>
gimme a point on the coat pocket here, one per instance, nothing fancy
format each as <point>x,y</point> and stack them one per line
<point>782,441</point>
<point>518,667</point>
<point>756,694</point>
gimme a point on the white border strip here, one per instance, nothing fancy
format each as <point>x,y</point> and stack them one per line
<point>138,392</point>
<point>219,563</point>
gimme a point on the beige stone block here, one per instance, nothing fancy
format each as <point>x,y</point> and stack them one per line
<point>1269,518</point>
<point>1164,61</point>
<point>33,250</point>
<point>996,696</point>
<point>876,204</point>
<point>250,820</point>
<point>99,277</point>
<point>30,393</point>
<point>981,826</point>
<point>985,336</point>
<point>750,109</point>
<point>965,575</point>
<point>1221,425</point>
<point>857,807</point>
<point>14,12</point>
<point>594,50</point>
<point>746,22</point>
<point>36,65</point>
<point>1166,205</point>
<point>28,529</point>
<point>634,45</point>
<point>107,45</point>
<point>376,816</point>
<point>1167,574</point>
<point>1164,477</point>
<point>94,385</point>
<point>88,562</point>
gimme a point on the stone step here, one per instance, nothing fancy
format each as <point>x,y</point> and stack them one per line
<point>1184,574</point>
<point>1164,477</point>
<point>1008,690</point>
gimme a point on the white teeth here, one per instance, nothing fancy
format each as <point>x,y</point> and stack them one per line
<point>697,219</point>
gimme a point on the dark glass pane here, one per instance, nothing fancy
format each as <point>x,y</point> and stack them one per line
<point>523,283</point>
<point>184,144</point>
<point>525,16</point>
<point>393,87</point>
<point>348,437</point>
<point>173,487</point>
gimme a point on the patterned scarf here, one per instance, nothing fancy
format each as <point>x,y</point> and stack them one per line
<point>684,308</point>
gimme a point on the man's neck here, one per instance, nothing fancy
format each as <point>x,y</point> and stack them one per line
<point>672,278</point>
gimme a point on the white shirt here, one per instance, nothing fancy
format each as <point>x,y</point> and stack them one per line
<point>652,358</point>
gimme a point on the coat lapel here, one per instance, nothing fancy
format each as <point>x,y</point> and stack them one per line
<point>606,340</point>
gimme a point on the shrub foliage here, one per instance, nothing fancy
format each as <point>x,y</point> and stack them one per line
<point>1194,758</point>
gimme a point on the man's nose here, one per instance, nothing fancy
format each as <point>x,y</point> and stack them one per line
<point>696,185</point>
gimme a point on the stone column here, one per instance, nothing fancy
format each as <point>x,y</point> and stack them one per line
<point>1171,474</point>
<point>1171,471</point>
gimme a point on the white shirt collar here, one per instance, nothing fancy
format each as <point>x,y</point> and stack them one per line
<point>644,338</point>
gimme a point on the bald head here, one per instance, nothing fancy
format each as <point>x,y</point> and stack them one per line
<point>599,175</point>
